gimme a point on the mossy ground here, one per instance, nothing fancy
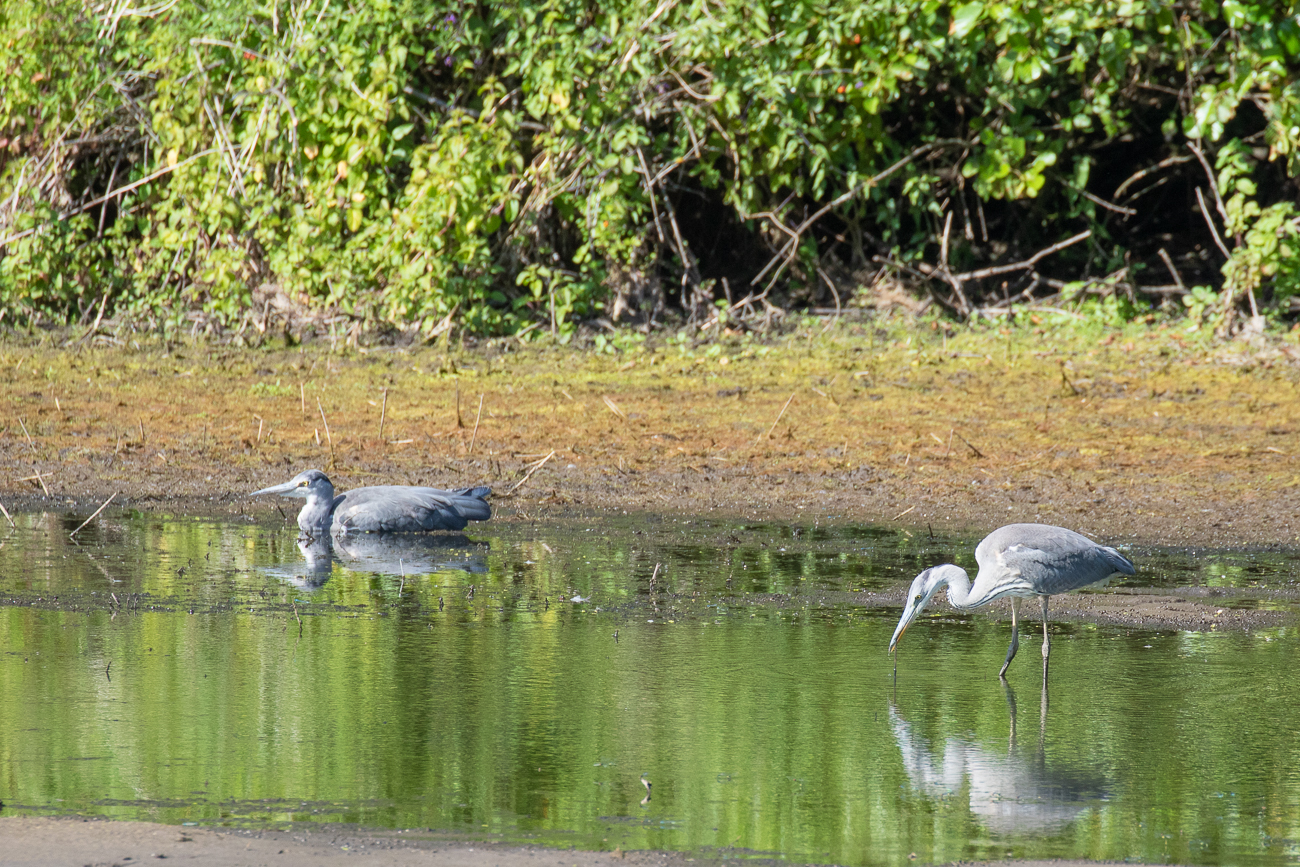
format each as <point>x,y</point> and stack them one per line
<point>1153,433</point>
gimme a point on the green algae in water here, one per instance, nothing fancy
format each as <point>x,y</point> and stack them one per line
<point>208,671</point>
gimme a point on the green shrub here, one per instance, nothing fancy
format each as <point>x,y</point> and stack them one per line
<point>492,166</point>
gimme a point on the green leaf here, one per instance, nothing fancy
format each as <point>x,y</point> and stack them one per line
<point>964,19</point>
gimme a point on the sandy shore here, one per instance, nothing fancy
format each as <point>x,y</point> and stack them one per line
<point>45,842</point>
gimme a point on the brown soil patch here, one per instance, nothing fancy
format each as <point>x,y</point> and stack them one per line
<point>1143,439</point>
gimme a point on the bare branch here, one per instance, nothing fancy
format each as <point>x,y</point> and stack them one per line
<point>1214,184</point>
<point>1027,263</point>
<point>1137,176</point>
<point>1205,212</point>
<point>787,253</point>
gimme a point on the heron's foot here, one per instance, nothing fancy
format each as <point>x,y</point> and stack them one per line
<point>1011,654</point>
<point>1002,674</point>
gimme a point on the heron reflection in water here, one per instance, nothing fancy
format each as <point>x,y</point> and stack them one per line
<point>1018,560</point>
<point>1016,791</point>
<point>381,508</point>
<point>403,556</point>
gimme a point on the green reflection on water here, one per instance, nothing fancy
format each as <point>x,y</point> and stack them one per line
<point>200,671</point>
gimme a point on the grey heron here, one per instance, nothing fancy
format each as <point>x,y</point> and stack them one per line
<point>1018,560</point>
<point>381,508</point>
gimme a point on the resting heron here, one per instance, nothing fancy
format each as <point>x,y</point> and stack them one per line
<point>1017,560</point>
<point>381,508</point>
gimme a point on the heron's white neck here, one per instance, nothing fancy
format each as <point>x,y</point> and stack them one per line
<point>955,579</point>
<point>317,512</point>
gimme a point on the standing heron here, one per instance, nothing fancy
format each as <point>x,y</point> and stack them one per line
<point>1017,560</point>
<point>379,509</point>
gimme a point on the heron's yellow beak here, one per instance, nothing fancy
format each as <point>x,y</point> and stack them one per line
<point>898,632</point>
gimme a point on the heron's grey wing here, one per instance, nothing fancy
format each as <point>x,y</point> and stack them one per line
<point>403,509</point>
<point>1047,560</point>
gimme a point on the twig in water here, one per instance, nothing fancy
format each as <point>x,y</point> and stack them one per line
<point>768,435</point>
<point>401,588</point>
<point>6,514</point>
<point>92,517</point>
<point>474,435</point>
<point>537,465</point>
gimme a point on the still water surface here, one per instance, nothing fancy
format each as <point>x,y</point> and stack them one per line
<point>184,670</point>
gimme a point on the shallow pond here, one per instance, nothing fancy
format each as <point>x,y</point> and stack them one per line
<point>650,682</point>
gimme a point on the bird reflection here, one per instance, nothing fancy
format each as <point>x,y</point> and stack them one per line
<point>410,555</point>
<point>402,556</point>
<point>1016,791</point>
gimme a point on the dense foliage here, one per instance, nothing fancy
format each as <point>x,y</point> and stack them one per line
<point>493,167</point>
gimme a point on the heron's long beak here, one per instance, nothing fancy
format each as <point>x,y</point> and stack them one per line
<point>899,630</point>
<point>287,489</point>
<point>909,614</point>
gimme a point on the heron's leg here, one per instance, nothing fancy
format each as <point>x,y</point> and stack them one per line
<point>1015,635</point>
<point>1047,644</point>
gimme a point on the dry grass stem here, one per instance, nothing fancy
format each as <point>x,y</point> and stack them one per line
<point>94,516</point>
<point>36,478</point>
<point>768,435</point>
<point>328,437</point>
<point>31,445</point>
<point>383,412</point>
<point>977,452</point>
<point>474,436</point>
<point>5,512</point>
<point>613,407</point>
<point>528,475</point>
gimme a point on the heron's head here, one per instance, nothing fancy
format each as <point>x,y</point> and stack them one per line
<point>302,486</point>
<point>923,588</point>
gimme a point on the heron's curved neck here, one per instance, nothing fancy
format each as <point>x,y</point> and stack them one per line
<point>958,584</point>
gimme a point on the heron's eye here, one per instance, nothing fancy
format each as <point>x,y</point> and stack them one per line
<point>918,598</point>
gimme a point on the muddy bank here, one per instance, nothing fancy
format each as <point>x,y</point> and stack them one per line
<point>43,842</point>
<point>1147,439</point>
<point>46,842</point>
